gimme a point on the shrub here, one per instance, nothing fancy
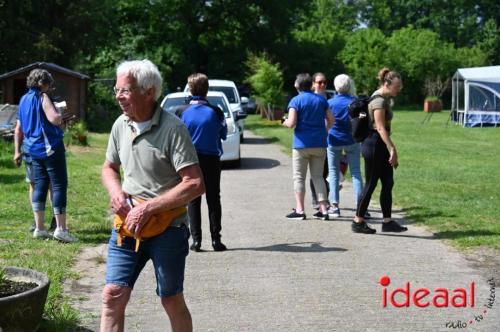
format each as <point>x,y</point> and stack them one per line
<point>76,134</point>
<point>266,80</point>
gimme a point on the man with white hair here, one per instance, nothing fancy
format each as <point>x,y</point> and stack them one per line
<point>160,175</point>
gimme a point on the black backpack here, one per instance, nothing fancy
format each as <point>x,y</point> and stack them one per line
<point>360,117</point>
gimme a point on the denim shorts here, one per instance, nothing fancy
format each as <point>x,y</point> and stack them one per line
<point>30,178</point>
<point>167,251</point>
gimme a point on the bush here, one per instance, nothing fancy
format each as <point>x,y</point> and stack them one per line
<point>76,134</point>
<point>266,80</point>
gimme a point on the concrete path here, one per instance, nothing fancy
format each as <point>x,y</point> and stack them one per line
<point>282,275</point>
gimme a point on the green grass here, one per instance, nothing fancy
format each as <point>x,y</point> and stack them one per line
<point>447,179</point>
<point>87,208</point>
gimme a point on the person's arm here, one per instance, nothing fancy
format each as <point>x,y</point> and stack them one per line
<point>330,118</point>
<point>52,114</point>
<point>291,121</point>
<point>190,187</point>
<point>379,115</point>
<point>111,180</point>
<point>18,142</point>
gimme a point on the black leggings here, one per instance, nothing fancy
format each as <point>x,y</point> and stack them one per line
<point>377,167</point>
<point>211,168</point>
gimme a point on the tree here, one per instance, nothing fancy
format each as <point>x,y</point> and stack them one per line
<point>266,80</point>
<point>363,55</point>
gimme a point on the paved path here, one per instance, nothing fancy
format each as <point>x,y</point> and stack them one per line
<point>282,275</point>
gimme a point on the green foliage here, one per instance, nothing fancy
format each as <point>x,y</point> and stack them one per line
<point>432,98</point>
<point>102,109</point>
<point>489,42</point>
<point>76,134</point>
<point>363,55</point>
<point>2,276</point>
<point>266,80</point>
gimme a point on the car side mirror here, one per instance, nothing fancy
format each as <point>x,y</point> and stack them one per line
<point>244,100</point>
<point>239,115</point>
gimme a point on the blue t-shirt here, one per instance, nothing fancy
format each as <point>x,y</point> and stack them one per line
<point>41,137</point>
<point>206,127</point>
<point>310,131</point>
<point>340,134</point>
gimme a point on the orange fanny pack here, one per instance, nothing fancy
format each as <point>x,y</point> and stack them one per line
<point>156,225</point>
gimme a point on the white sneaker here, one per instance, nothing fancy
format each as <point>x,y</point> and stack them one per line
<point>41,234</point>
<point>64,236</point>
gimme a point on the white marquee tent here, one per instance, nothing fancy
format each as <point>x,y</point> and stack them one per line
<point>476,96</point>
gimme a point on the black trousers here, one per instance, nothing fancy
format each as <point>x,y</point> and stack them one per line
<point>377,167</point>
<point>211,168</point>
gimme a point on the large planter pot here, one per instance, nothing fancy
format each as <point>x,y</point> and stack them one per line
<point>23,312</point>
<point>433,106</point>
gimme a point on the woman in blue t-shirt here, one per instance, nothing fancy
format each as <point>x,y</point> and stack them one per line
<point>43,141</point>
<point>310,116</point>
<point>340,139</point>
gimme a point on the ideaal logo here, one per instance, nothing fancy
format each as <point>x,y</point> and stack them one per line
<point>439,298</point>
<point>423,297</point>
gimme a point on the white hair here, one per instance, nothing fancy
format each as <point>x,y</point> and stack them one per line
<point>145,73</point>
<point>344,84</point>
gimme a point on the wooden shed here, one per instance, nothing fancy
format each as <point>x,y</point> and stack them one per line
<point>70,86</point>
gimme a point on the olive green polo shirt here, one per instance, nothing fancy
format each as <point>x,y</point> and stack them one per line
<point>384,104</point>
<point>151,160</point>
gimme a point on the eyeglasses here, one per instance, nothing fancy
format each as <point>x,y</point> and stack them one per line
<point>124,91</point>
<point>321,82</point>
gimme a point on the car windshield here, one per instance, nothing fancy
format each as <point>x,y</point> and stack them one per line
<point>227,90</point>
<point>172,103</point>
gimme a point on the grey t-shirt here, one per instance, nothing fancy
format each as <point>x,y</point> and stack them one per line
<point>151,160</point>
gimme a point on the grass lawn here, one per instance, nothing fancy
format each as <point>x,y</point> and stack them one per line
<point>87,207</point>
<point>447,179</point>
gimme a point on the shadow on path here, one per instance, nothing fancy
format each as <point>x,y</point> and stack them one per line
<point>298,247</point>
<point>258,163</point>
<point>260,140</point>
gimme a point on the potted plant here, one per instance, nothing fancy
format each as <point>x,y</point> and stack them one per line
<point>434,88</point>
<point>23,293</point>
<point>432,104</point>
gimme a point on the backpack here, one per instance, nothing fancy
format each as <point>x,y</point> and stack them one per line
<point>360,118</point>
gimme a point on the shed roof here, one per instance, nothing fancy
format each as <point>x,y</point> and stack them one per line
<point>480,74</point>
<point>48,66</point>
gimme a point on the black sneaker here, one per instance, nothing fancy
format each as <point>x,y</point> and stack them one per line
<point>53,225</point>
<point>320,215</point>
<point>362,227</point>
<point>393,226</point>
<point>296,216</point>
